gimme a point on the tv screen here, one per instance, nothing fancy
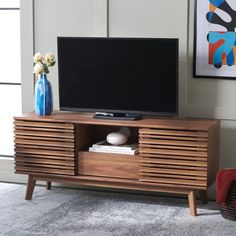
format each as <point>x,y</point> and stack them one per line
<point>120,75</point>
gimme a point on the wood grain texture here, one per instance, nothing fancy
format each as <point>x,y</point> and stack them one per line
<point>30,187</point>
<point>173,157</point>
<point>192,203</point>
<point>45,147</point>
<point>107,164</point>
<point>87,118</point>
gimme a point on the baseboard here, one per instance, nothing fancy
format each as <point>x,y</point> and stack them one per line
<point>7,171</point>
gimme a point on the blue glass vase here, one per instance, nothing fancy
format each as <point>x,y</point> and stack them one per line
<point>43,103</point>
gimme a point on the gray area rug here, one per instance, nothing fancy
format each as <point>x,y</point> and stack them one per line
<point>73,212</point>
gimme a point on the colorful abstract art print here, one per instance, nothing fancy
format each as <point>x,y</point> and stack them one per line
<point>215,39</point>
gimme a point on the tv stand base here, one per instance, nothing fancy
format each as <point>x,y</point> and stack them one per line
<point>177,156</point>
<point>191,193</point>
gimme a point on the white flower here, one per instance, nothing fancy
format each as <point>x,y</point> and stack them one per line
<point>49,57</point>
<point>43,62</point>
<point>38,57</point>
<point>38,68</point>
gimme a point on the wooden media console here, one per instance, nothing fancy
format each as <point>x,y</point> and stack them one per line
<point>176,155</point>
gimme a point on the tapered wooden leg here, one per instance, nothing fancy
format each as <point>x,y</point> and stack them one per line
<point>48,185</point>
<point>203,196</point>
<point>192,203</point>
<point>30,187</point>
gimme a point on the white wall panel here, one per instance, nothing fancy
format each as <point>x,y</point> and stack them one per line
<point>153,18</point>
<point>141,18</point>
<point>10,106</point>
<point>150,18</point>
<point>53,18</point>
<point>228,147</point>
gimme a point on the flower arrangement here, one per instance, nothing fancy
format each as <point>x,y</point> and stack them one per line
<point>43,62</point>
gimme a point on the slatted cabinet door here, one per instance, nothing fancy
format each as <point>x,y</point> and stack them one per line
<point>174,158</point>
<point>44,147</point>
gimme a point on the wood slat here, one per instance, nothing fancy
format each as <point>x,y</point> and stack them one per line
<point>168,147</point>
<point>45,129</point>
<point>19,141</point>
<point>30,155</point>
<point>172,132</point>
<point>44,134</point>
<point>173,142</point>
<point>151,174</point>
<point>172,152</point>
<point>190,158</point>
<point>52,139</point>
<point>41,165</point>
<point>44,161</point>
<point>35,170</point>
<point>165,137</point>
<point>38,147</point>
<point>173,171</point>
<point>44,152</point>
<point>179,167</point>
<point>176,162</point>
<point>57,125</point>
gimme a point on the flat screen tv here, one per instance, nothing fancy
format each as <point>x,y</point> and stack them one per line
<point>118,76</point>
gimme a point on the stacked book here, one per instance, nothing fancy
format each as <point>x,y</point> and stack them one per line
<point>104,146</point>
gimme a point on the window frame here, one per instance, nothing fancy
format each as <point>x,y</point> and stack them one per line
<point>7,9</point>
<point>10,83</point>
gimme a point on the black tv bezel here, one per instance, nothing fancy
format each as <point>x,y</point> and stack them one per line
<point>139,112</point>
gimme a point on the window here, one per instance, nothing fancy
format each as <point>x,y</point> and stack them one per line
<point>10,72</point>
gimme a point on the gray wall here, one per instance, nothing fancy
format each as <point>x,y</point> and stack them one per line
<point>209,98</point>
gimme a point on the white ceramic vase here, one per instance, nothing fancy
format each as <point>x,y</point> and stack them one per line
<point>116,138</point>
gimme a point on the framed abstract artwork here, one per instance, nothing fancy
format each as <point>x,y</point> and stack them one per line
<point>215,39</point>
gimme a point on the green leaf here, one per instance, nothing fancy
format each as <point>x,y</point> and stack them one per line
<point>52,63</point>
<point>45,69</point>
